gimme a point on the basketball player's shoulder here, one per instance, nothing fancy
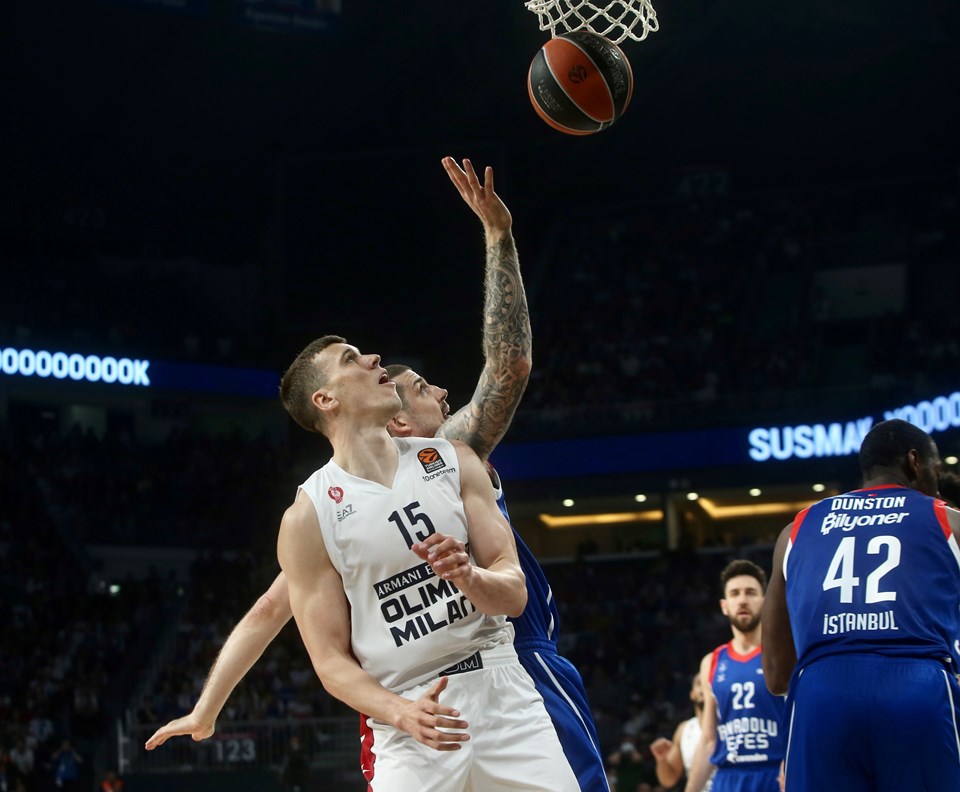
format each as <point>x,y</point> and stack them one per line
<point>301,515</point>
<point>299,533</point>
<point>707,660</point>
<point>417,444</point>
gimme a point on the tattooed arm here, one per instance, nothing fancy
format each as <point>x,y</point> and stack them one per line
<point>507,340</point>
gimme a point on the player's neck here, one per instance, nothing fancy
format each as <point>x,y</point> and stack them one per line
<point>885,477</point>
<point>746,642</point>
<point>367,453</point>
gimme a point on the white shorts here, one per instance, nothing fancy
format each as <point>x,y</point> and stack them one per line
<point>513,744</point>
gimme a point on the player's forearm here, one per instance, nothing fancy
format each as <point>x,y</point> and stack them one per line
<point>668,774</point>
<point>777,669</point>
<point>507,338</point>
<point>344,679</point>
<point>702,769</point>
<point>497,590</point>
<point>246,643</point>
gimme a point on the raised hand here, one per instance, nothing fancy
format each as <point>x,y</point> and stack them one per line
<point>482,198</point>
<point>660,747</point>
<point>425,717</point>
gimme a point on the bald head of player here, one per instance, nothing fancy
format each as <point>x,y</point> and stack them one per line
<point>897,452</point>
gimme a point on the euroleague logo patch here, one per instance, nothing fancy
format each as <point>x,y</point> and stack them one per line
<point>430,459</point>
<point>336,494</point>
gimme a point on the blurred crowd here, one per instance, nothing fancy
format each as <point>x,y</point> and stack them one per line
<point>70,650</point>
<point>740,304</point>
<point>187,490</point>
<point>718,299</point>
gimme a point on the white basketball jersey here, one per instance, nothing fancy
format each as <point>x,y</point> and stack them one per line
<point>407,625</point>
<point>688,742</point>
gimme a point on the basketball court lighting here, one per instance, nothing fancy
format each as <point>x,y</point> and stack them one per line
<point>609,518</point>
<point>568,502</point>
<point>641,498</point>
<point>738,510</point>
<point>951,460</point>
<point>754,492</point>
<point>819,487</point>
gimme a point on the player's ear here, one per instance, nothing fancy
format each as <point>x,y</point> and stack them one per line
<point>398,426</point>
<point>324,401</point>
<point>912,464</point>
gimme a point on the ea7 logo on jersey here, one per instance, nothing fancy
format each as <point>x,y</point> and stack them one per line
<point>430,459</point>
<point>345,512</point>
<point>336,494</point>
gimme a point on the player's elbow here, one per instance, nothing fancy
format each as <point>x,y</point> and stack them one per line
<point>773,675</point>
<point>777,684</point>
<point>668,774</point>
<point>518,602</point>
<point>668,778</point>
<point>522,365</point>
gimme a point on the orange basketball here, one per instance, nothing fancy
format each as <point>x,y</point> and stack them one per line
<point>580,83</point>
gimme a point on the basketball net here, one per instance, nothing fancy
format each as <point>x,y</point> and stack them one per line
<point>616,21</point>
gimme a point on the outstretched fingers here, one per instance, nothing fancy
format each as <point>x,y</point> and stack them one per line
<point>488,180</point>
<point>178,727</point>
<point>437,725</point>
<point>458,176</point>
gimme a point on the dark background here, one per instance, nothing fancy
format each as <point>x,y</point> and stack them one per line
<point>313,160</point>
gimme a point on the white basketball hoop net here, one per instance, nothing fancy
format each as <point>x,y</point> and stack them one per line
<point>616,21</point>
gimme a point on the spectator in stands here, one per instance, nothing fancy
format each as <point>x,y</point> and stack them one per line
<point>111,782</point>
<point>66,767</point>
<point>627,762</point>
<point>295,773</point>
<point>22,757</point>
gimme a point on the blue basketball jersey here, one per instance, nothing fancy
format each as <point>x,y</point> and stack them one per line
<point>874,571</point>
<point>556,679</point>
<point>749,718</point>
<point>540,620</point>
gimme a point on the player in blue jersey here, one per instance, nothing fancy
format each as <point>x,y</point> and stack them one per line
<point>743,732</point>
<point>861,625</point>
<point>481,424</point>
<point>536,630</point>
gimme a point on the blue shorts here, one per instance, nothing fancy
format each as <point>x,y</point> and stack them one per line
<point>563,693</point>
<point>870,723</point>
<point>746,779</point>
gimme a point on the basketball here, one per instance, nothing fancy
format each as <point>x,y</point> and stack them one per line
<point>580,83</point>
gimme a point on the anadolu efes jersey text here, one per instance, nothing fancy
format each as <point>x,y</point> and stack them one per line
<point>749,717</point>
<point>414,625</point>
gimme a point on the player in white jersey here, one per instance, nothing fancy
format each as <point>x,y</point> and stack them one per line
<point>674,757</point>
<point>481,424</point>
<point>369,577</point>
